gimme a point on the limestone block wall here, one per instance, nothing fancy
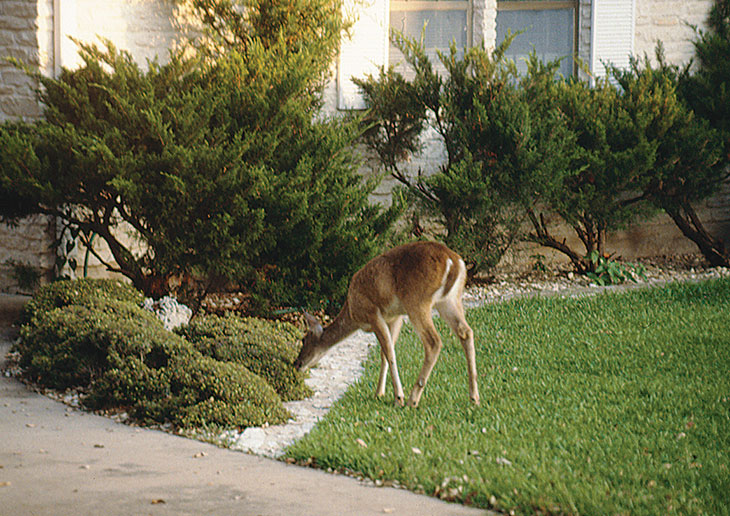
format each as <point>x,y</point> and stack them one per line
<point>669,21</point>
<point>146,28</point>
<point>26,32</point>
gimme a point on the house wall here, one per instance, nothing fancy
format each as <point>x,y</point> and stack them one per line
<point>146,28</point>
<point>669,21</point>
<point>26,34</point>
<point>31,31</point>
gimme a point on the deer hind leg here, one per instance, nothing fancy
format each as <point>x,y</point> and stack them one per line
<point>394,327</point>
<point>431,340</point>
<point>388,361</point>
<point>452,311</point>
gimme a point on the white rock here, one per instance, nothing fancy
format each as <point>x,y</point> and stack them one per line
<point>169,311</point>
<point>251,438</point>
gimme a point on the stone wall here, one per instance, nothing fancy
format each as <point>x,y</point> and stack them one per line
<point>146,28</point>
<point>669,21</point>
<point>26,34</point>
<point>26,30</point>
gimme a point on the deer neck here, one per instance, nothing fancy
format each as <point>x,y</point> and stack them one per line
<point>339,329</point>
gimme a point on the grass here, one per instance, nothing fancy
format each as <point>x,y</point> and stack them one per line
<point>614,404</point>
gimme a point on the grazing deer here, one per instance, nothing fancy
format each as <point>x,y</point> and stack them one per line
<point>410,279</point>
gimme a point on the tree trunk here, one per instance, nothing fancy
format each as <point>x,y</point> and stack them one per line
<point>543,237</point>
<point>686,219</point>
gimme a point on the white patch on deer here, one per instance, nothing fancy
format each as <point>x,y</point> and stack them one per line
<point>440,292</point>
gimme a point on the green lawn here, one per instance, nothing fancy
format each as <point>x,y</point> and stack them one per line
<point>614,404</point>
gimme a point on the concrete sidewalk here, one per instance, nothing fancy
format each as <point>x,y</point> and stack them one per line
<point>55,460</point>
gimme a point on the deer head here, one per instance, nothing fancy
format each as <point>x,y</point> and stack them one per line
<point>312,347</point>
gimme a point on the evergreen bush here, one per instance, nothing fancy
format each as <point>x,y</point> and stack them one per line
<point>79,292</point>
<point>526,148</point>
<point>93,336</point>
<point>219,165</point>
<point>688,165</point>
<point>608,150</point>
<point>468,195</point>
<point>517,148</point>
<point>701,167</point>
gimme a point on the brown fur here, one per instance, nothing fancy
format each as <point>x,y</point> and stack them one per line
<point>412,280</point>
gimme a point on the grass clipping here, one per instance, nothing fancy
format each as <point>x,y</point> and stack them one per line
<point>92,336</point>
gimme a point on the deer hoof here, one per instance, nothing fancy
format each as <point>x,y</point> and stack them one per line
<point>399,401</point>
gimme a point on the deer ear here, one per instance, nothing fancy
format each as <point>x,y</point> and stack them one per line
<point>313,323</point>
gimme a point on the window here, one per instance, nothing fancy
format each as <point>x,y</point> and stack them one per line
<point>549,28</point>
<point>444,21</point>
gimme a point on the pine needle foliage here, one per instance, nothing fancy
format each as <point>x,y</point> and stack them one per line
<point>600,156</point>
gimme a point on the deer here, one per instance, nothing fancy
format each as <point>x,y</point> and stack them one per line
<point>411,279</point>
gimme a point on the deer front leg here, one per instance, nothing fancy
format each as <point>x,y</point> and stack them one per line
<point>388,362</point>
<point>380,390</point>
<point>394,327</point>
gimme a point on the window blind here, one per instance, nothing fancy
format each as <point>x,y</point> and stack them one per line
<point>612,34</point>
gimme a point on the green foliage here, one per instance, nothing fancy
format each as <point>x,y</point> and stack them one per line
<point>525,148</point>
<point>220,165</point>
<point>610,153</point>
<point>307,30</point>
<point>516,147</point>
<point>609,404</point>
<point>609,272</point>
<point>17,160</point>
<point>92,335</point>
<point>687,165</point>
<point>26,276</point>
<point>474,195</point>
<point>268,349</point>
<point>395,117</point>
<point>707,89</point>
<point>79,292</point>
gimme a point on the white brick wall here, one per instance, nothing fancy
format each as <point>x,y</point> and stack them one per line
<point>669,21</point>
<point>146,28</point>
<point>23,27</point>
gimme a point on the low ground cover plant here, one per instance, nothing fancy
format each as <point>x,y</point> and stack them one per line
<point>93,336</point>
<point>614,404</point>
<point>265,348</point>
